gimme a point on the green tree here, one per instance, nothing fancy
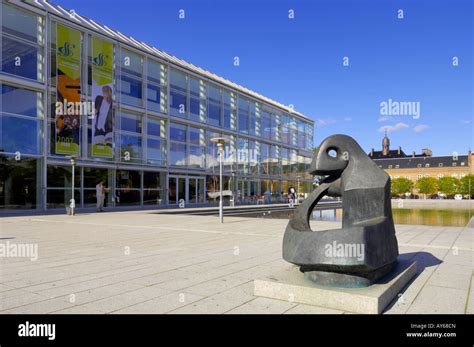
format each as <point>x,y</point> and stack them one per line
<point>448,185</point>
<point>427,185</point>
<point>401,186</point>
<point>466,185</point>
<point>315,151</point>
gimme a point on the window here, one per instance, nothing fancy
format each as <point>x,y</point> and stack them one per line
<point>22,43</point>
<point>20,120</point>
<point>229,110</point>
<point>285,163</point>
<point>254,119</point>
<point>418,166</point>
<point>454,163</point>
<point>197,100</point>
<point>178,93</point>
<point>266,125</point>
<point>59,183</point>
<point>427,165</point>
<point>214,106</point>
<point>128,187</point>
<point>397,166</point>
<point>18,183</point>
<point>130,134</point>
<point>156,141</point>
<point>154,188</point>
<point>92,175</point>
<point>243,119</point>
<point>265,159</point>
<point>157,75</point>
<point>254,157</point>
<point>243,155</point>
<point>440,164</point>
<point>197,147</point>
<point>390,166</point>
<point>212,158</point>
<point>131,78</point>
<point>187,146</point>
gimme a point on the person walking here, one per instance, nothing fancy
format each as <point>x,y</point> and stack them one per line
<point>100,195</point>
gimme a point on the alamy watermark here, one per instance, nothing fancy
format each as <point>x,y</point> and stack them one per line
<point>19,250</point>
<point>400,108</point>
<point>344,250</point>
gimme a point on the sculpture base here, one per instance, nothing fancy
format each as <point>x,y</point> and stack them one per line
<point>334,279</point>
<point>291,285</point>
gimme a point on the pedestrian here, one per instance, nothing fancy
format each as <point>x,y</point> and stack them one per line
<point>100,195</point>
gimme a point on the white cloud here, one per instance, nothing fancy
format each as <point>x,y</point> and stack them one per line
<point>323,122</point>
<point>420,127</point>
<point>392,128</point>
<point>348,119</point>
<point>466,121</point>
<point>385,118</point>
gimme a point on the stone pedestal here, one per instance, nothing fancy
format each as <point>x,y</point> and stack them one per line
<point>289,284</point>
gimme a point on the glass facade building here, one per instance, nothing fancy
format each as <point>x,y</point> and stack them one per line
<point>133,116</point>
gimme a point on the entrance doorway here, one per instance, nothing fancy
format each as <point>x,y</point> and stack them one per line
<point>186,189</point>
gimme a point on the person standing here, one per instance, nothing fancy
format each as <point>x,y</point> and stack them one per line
<point>100,195</point>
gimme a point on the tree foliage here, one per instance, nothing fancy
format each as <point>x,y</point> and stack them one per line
<point>401,186</point>
<point>427,185</point>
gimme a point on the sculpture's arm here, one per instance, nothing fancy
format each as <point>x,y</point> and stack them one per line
<point>335,188</point>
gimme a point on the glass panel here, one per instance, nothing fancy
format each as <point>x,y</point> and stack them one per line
<point>131,148</point>
<point>196,157</point>
<point>154,188</point>
<point>243,116</point>
<point>21,59</point>
<point>181,188</point>
<point>92,176</point>
<point>131,122</point>
<point>21,101</point>
<point>19,183</point>
<point>178,81</point>
<point>156,72</point>
<point>178,106</point>
<point>177,153</point>
<point>214,114</point>
<point>59,198</point>
<point>200,190</point>
<point>172,196</point>
<point>192,190</point>
<point>156,151</point>
<point>19,135</point>
<point>21,24</point>
<point>154,94</point>
<point>131,63</point>
<point>128,187</point>
<point>156,127</point>
<point>177,132</point>
<point>61,177</point>
<point>131,91</point>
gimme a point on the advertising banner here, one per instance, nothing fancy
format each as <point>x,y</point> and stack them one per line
<point>68,92</point>
<point>102,96</point>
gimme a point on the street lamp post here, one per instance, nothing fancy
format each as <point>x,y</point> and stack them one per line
<point>72,201</point>
<point>220,141</point>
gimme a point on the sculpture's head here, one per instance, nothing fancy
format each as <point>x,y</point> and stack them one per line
<point>334,155</point>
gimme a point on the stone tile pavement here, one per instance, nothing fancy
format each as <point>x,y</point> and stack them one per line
<point>142,262</point>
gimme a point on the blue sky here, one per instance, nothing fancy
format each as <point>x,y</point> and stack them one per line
<point>300,61</point>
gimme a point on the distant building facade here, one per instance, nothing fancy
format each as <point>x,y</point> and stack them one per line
<point>398,164</point>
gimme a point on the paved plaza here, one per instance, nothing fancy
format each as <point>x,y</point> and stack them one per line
<point>144,262</point>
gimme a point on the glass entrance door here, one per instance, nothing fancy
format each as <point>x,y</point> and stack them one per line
<point>189,189</point>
